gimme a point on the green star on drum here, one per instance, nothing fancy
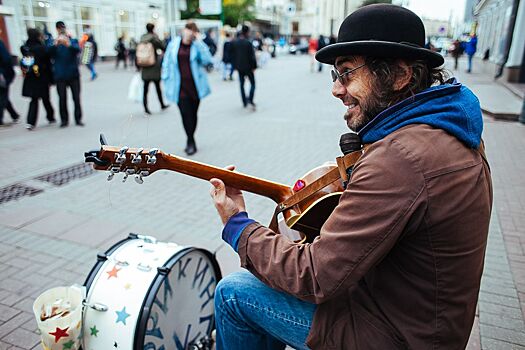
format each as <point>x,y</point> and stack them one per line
<point>94,331</point>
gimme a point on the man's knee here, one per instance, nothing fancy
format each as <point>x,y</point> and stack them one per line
<point>235,286</point>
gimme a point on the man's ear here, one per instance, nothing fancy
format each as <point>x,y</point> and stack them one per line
<point>403,76</point>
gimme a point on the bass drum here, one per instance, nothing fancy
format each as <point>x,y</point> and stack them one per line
<point>148,295</point>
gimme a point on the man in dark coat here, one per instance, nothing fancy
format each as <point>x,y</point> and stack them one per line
<point>64,54</point>
<point>37,76</point>
<point>227,57</point>
<point>245,63</point>
<point>7,75</point>
<point>398,263</point>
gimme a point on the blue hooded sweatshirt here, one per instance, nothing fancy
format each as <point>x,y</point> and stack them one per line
<point>451,107</point>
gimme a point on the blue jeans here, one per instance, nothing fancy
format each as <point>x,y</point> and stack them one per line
<point>251,315</point>
<point>91,67</point>
<point>469,69</point>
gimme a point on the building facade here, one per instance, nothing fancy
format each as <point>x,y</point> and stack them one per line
<point>105,19</point>
<point>304,17</point>
<point>500,28</point>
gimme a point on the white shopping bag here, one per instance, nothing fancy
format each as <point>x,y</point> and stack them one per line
<point>58,313</point>
<point>136,88</point>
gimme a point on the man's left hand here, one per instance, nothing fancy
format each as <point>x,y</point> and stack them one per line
<point>228,200</point>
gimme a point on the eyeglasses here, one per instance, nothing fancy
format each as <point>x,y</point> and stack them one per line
<point>342,77</point>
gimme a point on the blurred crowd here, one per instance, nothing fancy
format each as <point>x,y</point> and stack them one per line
<point>177,65</point>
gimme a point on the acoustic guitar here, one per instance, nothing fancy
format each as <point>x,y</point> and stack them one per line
<point>304,206</point>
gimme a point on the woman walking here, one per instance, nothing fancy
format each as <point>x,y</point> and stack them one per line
<point>147,51</point>
<point>36,68</point>
<point>185,78</point>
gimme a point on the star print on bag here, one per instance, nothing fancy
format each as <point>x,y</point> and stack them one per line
<point>59,333</point>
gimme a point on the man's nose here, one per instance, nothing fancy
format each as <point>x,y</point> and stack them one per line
<point>338,90</point>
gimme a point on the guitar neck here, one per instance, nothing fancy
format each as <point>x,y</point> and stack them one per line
<point>273,190</point>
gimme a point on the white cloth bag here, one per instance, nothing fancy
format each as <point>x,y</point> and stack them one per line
<point>63,332</point>
<point>136,89</point>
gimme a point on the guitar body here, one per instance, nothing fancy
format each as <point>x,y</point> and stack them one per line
<point>308,216</point>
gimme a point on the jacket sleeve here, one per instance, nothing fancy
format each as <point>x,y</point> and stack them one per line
<point>385,188</point>
<point>167,61</point>
<point>204,55</point>
<point>253,60</point>
<point>74,47</point>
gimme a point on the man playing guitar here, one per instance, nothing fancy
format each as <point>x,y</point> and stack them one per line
<point>398,263</point>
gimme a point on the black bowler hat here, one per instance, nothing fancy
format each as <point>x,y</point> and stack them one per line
<point>381,30</point>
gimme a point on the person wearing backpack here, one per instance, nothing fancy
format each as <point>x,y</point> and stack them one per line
<point>150,62</point>
<point>184,74</point>
<point>36,69</point>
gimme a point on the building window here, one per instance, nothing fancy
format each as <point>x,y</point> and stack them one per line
<point>125,24</point>
<point>40,8</point>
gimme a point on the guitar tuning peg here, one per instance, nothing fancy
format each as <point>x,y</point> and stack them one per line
<point>138,179</point>
<point>151,157</point>
<point>111,175</point>
<point>136,158</point>
<point>125,177</point>
<point>121,156</point>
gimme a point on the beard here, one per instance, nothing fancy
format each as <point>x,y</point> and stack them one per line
<point>376,101</point>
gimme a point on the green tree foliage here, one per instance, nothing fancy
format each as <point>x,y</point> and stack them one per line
<point>234,11</point>
<point>370,2</point>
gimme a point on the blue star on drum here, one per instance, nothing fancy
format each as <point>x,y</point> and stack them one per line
<point>122,315</point>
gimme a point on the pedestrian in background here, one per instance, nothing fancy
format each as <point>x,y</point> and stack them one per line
<point>149,44</point>
<point>89,55</point>
<point>245,64</point>
<point>227,66</point>
<point>321,42</point>
<point>312,49</point>
<point>36,69</point>
<point>121,53</point>
<point>64,54</point>
<point>7,75</point>
<point>456,50</point>
<point>132,52</point>
<point>470,50</point>
<point>185,78</point>
<point>209,40</point>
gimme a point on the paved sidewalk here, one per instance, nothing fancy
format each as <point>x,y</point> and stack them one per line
<point>52,238</point>
<point>497,99</point>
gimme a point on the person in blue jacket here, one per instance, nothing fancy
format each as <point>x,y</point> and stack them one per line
<point>185,79</point>
<point>470,50</point>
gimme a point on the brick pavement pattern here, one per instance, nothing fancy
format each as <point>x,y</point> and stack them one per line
<point>52,238</point>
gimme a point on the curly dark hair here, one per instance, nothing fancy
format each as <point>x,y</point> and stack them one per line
<point>387,70</point>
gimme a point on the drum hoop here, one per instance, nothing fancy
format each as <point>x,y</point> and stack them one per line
<point>102,258</point>
<point>142,319</point>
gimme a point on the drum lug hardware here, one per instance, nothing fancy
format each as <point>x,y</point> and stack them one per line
<point>97,306</point>
<point>102,257</point>
<point>147,239</point>
<point>163,270</point>
<point>143,267</point>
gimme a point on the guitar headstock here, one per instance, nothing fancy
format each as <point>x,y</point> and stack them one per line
<point>128,161</point>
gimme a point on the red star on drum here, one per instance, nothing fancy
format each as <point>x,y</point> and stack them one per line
<point>113,272</point>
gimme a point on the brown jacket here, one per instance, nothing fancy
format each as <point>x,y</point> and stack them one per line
<point>398,263</point>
